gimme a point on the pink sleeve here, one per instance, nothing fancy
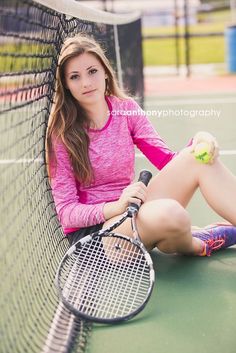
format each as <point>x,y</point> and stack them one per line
<point>146,138</point>
<point>71,212</point>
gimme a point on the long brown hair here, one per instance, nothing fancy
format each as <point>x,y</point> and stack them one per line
<point>67,120</point>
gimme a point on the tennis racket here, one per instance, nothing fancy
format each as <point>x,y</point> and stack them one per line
<point>107,277</point>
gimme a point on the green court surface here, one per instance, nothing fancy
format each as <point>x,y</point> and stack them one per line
<point>193,306</point>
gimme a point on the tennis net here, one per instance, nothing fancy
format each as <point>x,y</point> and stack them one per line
<point>31,239</point>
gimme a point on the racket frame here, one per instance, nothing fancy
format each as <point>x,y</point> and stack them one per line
<point>88,238</point>
<point>131,212</point>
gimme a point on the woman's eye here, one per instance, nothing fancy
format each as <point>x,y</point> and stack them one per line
<point>92,71</point>
<point>74,77</point>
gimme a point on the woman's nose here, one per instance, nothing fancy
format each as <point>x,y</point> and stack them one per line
<point>86,82</point>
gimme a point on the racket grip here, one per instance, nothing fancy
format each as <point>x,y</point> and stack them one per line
<point>144,176</point>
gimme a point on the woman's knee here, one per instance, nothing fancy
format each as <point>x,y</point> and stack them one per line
<point>166,215</point>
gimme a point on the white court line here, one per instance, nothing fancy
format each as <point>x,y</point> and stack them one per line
<point>223,153</point>
<point>138,155</point>
<point>177,101</point>
<point>228,152</point>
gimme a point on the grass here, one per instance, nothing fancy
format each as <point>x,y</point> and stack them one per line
<point>197,28</point>
<point>157,52</point>
<point>202,51</point>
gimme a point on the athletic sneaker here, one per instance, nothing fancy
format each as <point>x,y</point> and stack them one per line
<point>216,236</point>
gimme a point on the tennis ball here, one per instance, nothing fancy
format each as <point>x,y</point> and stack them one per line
<point>202,152</point>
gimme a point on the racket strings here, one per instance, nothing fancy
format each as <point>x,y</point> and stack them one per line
<point>97,285</point>
<point>135,294</point>
<point>82,275</point>
<point>125,289</point>
<point>117,286</point>
<point>106,280</point>
<point>99,268</point>
<point>104,289</point>
<point>78,284</point>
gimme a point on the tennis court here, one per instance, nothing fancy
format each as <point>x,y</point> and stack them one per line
<point>193,305</point>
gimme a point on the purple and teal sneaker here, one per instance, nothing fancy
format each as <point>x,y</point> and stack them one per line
<point>216,236</point>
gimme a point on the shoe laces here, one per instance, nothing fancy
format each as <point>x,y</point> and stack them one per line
<point>215,244</point>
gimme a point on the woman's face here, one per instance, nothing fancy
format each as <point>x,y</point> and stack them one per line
<point>85,78</point>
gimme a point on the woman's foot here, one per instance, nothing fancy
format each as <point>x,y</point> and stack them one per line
<point>215,237</point>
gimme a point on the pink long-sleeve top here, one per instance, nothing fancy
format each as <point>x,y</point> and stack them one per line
<point>112,156</point>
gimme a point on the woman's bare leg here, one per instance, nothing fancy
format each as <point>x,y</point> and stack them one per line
<point>183,175</point>
<point>163,221</point>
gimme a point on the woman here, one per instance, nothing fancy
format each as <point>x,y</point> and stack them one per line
<point>91,136</point>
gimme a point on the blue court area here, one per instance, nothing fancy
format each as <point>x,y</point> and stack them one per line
<point>193,306</point>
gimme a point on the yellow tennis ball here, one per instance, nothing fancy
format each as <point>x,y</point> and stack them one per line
<point>202,152</point>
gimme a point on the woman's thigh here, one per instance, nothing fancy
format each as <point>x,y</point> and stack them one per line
<point>157,220</point>
<point>177,180</point>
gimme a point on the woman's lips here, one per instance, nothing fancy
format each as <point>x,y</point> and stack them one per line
<point>91,91</point>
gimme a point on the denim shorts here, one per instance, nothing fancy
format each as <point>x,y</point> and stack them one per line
<point>73,237</point>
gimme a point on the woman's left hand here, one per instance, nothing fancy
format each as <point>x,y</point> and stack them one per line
<point>204,136</point>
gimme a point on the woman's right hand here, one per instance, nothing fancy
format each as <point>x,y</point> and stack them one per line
<point>136,193</point>
<point>133,193</point>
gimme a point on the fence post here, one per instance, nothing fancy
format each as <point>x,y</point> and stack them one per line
<point>186,36</point>
<point>176,18</point>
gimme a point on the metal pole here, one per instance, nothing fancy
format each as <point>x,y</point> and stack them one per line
<point>118,58</point>
<point>186,36</point>
<point>176,35</point>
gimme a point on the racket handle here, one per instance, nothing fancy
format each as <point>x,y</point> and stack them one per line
<point>144,176</point>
